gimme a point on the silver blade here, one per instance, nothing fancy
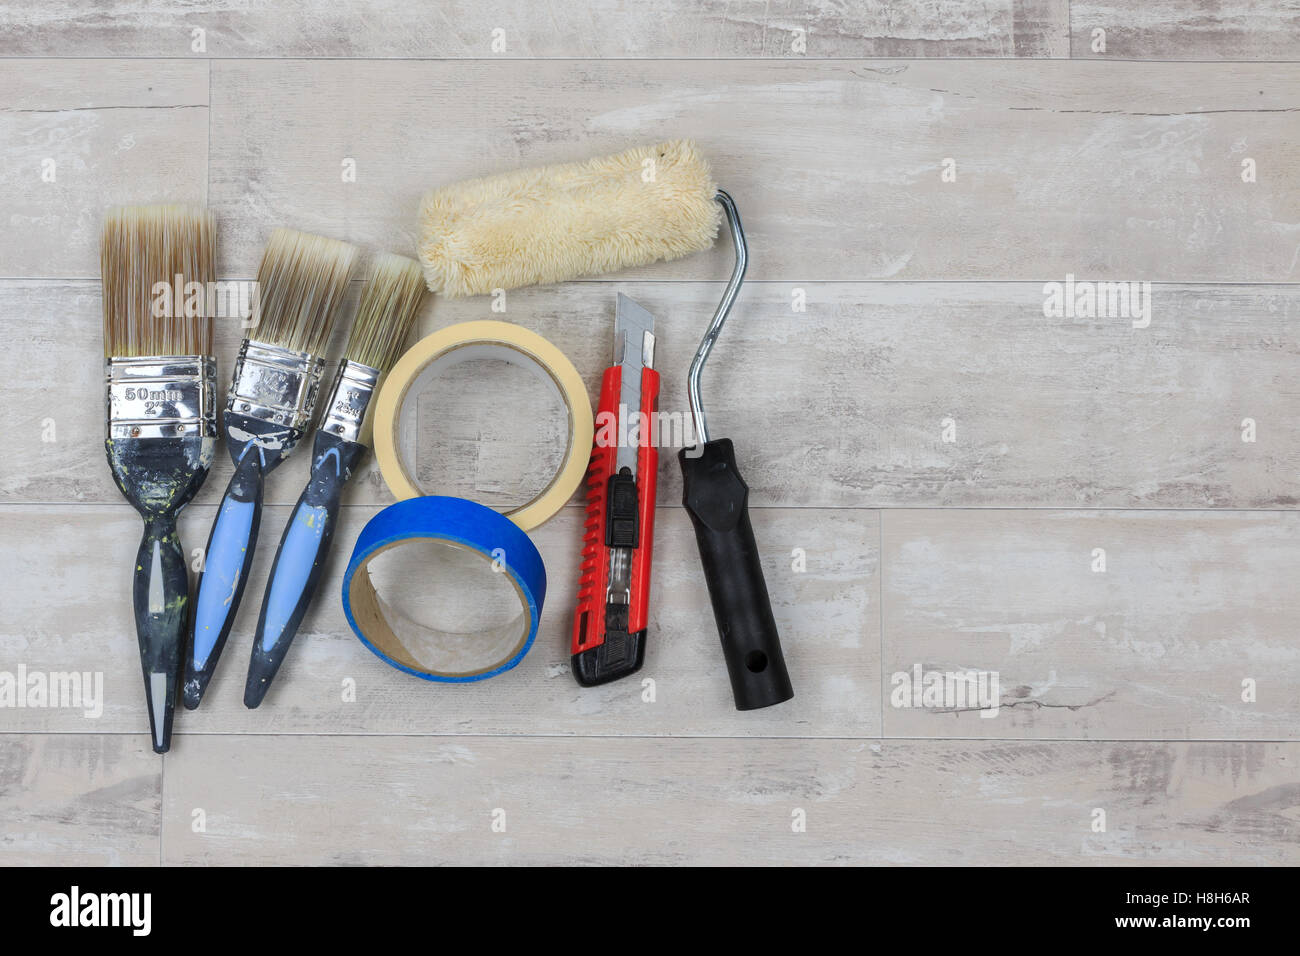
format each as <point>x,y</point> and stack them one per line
<point>634,349</point>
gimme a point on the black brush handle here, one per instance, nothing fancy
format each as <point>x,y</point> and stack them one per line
<point>159,476</point>
<point>162,605</point>
<point>717,499</point>
<point>226,563</point>
<point>300,560</point>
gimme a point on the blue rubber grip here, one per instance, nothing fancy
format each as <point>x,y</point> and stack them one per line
<point>226,564</point>
<point>300,549</point>
<point>300,560</point>
<point>457,521</point>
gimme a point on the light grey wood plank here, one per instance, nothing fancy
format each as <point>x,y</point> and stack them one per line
<point>69,609</point>
<point>842,405</point>
<point>597,28</point>
<point>1186,30</point>
<point>1159,645</point>
<point>708,801</point>
<point>81,135</point>
<point>78,800</point>
<point>1131,172</point>
<point>1219,227</point>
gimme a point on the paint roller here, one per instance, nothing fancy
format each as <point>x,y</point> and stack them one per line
<point>556,223</point>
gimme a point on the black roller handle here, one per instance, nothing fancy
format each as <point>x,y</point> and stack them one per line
<point>717,499</point>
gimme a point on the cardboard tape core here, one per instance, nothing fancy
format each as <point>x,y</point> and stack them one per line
<point>428,652</point>
<point>395,421</point>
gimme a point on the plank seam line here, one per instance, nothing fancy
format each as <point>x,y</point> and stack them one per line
<point>576,506</point>
<point>1288,284</point>
<point>207,157</point>
<point>162,804</point>
<point>864,60</point>
<point>665,736</point>
<point>880,600</point>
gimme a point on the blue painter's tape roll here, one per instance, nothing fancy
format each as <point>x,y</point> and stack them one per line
<point>455,523</point>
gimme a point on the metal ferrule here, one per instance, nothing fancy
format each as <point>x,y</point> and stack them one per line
<point>275,384</point>
<point>161,396</point>
<point>349,398</point>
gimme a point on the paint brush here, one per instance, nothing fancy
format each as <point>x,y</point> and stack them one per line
<point>301,283</point>
<point>389,302</point>
<point>161,414</point>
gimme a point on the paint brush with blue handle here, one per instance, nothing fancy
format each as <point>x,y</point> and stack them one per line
<point>161,416</point>
<point>387,311</point>
<point>301,284</point>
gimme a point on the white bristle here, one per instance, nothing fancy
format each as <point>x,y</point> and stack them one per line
<point>387,311</point>
<point>301,281</point>
<point>141,247</point>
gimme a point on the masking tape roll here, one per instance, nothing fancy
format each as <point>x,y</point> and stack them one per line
<point>470,341</point>
<point>424,651</point>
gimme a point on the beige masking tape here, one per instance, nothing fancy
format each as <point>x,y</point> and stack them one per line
<point>475,341</point>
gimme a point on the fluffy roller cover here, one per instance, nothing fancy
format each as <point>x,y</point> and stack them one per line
<point>554,223</point>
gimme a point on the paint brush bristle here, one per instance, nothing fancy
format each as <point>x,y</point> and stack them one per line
<point>142,246</point>
<point>301,281</point>
<point>387,311</point>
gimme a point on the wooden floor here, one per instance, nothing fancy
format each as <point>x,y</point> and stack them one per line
<point>1101,510</point>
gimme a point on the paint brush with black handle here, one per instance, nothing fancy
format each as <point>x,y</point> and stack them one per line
<point>161,414</point>
<point>389,302</point>
<point>301,283</point>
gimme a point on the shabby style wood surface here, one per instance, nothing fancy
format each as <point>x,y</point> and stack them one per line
<point>887,310</point>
